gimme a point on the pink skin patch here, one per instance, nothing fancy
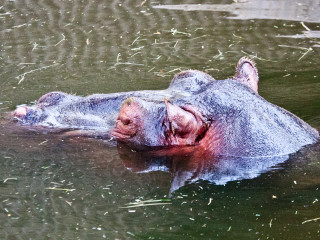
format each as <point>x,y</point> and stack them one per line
<point>128,121</point>
<point>20,112</point>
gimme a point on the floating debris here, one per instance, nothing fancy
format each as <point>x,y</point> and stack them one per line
<point>61,189</point>
<point>311,220</point>
<point>45,141</point>
<point>7,179</point>
<point>22,76</point>
<point>63,39</point>
<point>146,203</point>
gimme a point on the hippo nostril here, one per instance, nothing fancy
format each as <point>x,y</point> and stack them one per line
<point>126,121</point>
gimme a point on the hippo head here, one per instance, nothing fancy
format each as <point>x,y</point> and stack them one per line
<point>148,123</point>
<point>181,121</point>
<point>40,112</point>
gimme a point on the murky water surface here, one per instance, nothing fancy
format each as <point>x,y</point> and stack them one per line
<point>52,188</point>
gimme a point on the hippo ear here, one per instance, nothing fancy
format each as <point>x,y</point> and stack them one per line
<point>247,73</point>
<point>185,124</point>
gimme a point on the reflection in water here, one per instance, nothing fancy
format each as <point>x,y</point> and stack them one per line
<point>307,11</point>
<point>39,166</point>
<point>189,165</point>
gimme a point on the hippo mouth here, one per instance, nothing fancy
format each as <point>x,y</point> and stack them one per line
<point>121,133</point>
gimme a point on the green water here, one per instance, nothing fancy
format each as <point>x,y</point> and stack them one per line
<point>52,188</point>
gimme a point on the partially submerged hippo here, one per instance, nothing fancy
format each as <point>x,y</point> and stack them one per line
<point>226,117</point>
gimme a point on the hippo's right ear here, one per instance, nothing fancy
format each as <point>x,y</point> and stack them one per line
<point>247,73</point>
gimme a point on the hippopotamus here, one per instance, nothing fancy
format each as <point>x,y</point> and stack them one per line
<point>224,117</point>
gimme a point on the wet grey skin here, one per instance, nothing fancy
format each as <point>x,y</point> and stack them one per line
<point>225,117</point>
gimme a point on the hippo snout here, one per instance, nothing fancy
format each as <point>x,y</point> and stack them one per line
<point>26,115</point>
<point>20,113</point>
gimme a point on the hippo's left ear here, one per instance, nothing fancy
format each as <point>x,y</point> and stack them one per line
<point>247,73</point>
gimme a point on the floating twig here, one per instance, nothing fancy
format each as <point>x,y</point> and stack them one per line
<point>135,40</point>
<point>256,57</point>
<point>309,50</point>
<point>21,25</point>
<point>129,63</point>
<point>61,189</point>
<point>118,57</point>
<point>164,74</point>
<point>141,4</point>
<point>218,55</point>
<point>175,31</point>
<point>303,25</point>
<point>212,69</point>
<point>63,39</point>
<point>137,49</point>
<point>295,47</point>
<point>135,54</point>
<point>26,64</point>
<point>146,203</point>
<point>22,76</point>
<point>7,179</point>
<point>237,36</point>
<point>311,220</point>
<point>35,46</point>
<point>43,142</point>
<point>151,69</point>
<point>175,44</point>
<point>5,14</point>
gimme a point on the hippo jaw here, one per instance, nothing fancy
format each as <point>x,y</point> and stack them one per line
<point>174,125</point>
